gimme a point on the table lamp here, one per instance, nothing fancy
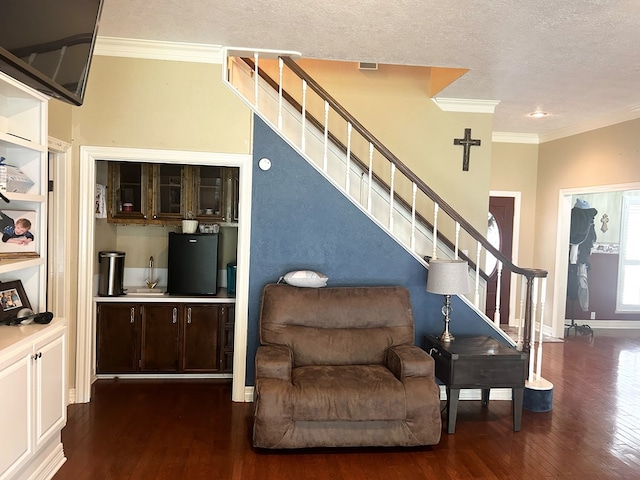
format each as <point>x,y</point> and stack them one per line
<point>448,277</point>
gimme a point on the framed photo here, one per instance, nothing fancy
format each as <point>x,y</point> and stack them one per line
<point>12,298</point>
<point>19,231</point>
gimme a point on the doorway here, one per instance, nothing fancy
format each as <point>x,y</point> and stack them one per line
<point>85,305</point>
<point>500,227</point>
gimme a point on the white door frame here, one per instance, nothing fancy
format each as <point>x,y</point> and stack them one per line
<point>59,295</point>
<point>565,196</point>
<point>86,313</point>
<point>515,249</point>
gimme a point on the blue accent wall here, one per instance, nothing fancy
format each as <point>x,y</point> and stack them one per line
<point>300,221</point>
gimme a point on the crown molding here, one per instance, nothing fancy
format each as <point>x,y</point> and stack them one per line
<point>465,105</point>
<point>512,137</point>
<point>156,50</point>
<point>592,124</point>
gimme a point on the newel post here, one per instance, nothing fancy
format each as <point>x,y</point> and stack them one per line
<point>526,340</point>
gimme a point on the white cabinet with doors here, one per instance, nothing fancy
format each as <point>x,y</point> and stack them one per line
<point>33,366</point>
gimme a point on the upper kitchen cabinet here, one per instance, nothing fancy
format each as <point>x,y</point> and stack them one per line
<point>215,193</point>
<point>169,195</point>
<point>128,192</point>
<point>165,194</point>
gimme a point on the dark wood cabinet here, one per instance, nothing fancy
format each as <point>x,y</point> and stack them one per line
<point>128,192</point>
<point>164,338</point>
<point>159,339</point>
<point>227,327</point>
<point>200,338</point>
<point>164,194</point>
<point>117,338</point>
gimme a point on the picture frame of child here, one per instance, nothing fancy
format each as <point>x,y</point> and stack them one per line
<point>12,299</point>
<point>18,233</point>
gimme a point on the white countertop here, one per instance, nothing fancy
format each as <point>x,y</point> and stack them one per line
<point>13,335</point>
<point>139,297</point>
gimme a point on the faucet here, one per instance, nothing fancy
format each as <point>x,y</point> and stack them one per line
<point>151,280</point>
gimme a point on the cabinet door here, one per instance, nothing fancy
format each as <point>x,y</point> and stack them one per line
<point>159,340</point>
<point>51,384</point>
<point>129,192</point>
<point>16,418</point>
<point>169,192</point>
<point>200,338</point>
<point>117,338</point>
<point>208,193</point>
<point>227,327</point>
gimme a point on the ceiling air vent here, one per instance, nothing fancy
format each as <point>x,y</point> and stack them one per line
<point>367,66</point>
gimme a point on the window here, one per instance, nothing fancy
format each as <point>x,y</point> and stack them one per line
<point>493,235</point>
<point>628,297</point>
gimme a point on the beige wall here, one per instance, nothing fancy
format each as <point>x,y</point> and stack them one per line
<point>60,119</point>
<point>607,156</point>
<point>514,167</point>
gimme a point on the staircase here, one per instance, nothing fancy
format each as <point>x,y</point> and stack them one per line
<point>375,180</point>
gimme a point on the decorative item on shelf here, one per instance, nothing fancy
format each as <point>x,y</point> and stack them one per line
<point>448,277</point>
<point>18,229</point>
<point>101,201</point>
<point>12,179</point>
<point>209,228</point>
<point>189,224</point>
<point>13,299</point>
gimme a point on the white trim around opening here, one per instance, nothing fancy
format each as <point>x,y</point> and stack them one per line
<point>86,314</point>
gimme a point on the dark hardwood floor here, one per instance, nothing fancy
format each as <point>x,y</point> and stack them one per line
<point>191,430</point>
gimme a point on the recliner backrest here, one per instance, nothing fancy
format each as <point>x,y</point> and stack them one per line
<point>336,325</point>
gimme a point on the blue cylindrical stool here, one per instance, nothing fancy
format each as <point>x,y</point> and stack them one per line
<point>538,396</point>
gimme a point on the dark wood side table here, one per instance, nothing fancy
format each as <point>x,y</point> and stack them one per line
<point>478,362</point>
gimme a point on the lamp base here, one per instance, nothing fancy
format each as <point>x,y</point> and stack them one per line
<point>446,311</point>
<point>446,337</point>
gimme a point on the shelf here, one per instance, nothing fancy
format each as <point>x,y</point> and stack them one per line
<point>8,265</point>
<point>23,197</point>
<point>8,140</point>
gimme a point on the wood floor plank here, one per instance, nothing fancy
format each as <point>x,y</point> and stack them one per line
<point>189,429</point>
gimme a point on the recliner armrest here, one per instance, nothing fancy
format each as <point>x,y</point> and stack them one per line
<point>274,361</point>
<point>409,361</point>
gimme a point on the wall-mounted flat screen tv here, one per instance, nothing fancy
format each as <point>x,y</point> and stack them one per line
<point>48,44</point>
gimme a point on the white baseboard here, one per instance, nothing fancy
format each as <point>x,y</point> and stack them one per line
<point>476,393</point>
<point>467,394</point>
<point>616,324</point>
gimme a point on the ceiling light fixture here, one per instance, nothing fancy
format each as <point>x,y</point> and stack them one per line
<point>538,114</point>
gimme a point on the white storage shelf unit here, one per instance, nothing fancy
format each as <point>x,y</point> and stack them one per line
<point>23,143</point>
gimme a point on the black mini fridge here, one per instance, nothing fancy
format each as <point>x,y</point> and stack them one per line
<point>193,264</point>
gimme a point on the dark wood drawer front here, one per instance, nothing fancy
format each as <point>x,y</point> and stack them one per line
<point>497,372</point>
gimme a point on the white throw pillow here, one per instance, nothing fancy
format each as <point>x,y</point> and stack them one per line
<point>305,278</point>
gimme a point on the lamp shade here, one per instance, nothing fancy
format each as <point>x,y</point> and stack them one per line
<point>448,277</point>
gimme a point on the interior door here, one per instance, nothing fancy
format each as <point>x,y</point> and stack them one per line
<point>501,211</point>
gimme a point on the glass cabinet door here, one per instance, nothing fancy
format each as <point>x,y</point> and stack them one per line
<point>208,192</point>
<point>129,190</point>
<point>168,191</point>
<point>232,193</point>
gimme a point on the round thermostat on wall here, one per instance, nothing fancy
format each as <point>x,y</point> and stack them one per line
<point>264,164</point>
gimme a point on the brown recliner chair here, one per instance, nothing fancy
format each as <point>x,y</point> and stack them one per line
<point>338,367</point>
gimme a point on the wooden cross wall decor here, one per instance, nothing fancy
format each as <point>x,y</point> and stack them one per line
<point>467,142</point>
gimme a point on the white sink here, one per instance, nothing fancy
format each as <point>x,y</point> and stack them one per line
<point>145,291</point>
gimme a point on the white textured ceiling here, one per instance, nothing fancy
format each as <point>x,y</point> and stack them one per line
<point>579,60</point>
